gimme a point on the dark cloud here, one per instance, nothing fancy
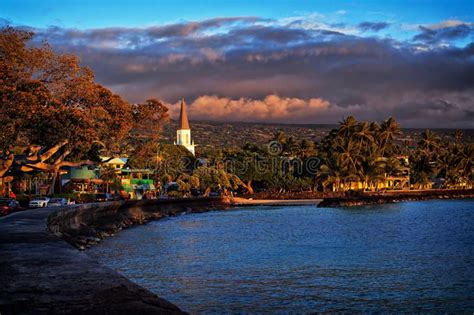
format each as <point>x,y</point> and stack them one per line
<point>416,109</point>
<point>440,113</point>
<point>188,28</point>
<point>254,58</point>
<point>469,114</point>
<point>432,36</point>
<point>270,34</point>
<point>373,26</point>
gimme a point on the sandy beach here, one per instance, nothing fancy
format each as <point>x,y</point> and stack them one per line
<point>237,201</point>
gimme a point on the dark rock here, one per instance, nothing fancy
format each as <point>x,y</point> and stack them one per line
<point>394,196</point>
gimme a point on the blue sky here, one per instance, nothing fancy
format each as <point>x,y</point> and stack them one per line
<point>84,14</point>
<point>273,61</point>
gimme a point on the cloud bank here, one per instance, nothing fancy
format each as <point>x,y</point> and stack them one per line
<point>272,108</point>
<point>278,109</point>
<point>295,70</point>
<point>445,32</point>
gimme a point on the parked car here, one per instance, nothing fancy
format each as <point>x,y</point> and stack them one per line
<point>39,202</point>
<point>104,197</point>
<point>8,206</point>
<point>57,202</point>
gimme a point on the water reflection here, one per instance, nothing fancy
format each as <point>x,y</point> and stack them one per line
<point>413,257</point>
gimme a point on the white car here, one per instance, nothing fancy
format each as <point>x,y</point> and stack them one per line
<point>39,202</point>
<point>57,202</point>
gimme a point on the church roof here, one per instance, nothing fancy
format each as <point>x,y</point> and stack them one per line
<point>183,116</point>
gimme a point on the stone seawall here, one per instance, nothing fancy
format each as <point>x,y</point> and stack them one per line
<point>42,274</point>
<point>395,196</point>
<point>88,224</point>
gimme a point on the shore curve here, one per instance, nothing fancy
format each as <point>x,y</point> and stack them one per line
<point>43,274</point>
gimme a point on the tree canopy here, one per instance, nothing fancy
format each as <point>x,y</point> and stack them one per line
<point>48,99</point>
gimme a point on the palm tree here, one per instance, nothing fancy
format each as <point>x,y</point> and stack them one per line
<point>448,168</point>
<point>374,128</point>
<point>347,126</point>
<point>465,160</point>
<point>331,173</point>
<point>370,171</point>
<point>389,129</point>
<point>458,135</point>
<point>468,161</point>
<point>306,149</point>
<point>345,148</point>
<point>392,166</point>
<point>364,134</point>
<point>421,169</point>
<point>429,142</point>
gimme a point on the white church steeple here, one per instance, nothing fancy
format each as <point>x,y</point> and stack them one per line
<point>183,134</point>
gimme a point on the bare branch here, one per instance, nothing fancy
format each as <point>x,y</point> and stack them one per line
<point>45,156</point>
<point>75,164</point>
<point>62,157</point>
<point>5,166</point>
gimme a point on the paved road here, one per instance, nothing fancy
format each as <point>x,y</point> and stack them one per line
<point>40,273</point>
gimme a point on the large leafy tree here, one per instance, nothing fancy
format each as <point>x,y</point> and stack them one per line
<point>48,99</point>
<point>142,141</point>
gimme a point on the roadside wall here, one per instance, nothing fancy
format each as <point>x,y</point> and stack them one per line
<point>85,225</point>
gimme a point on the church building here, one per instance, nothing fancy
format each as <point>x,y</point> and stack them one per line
<point>183,134</point>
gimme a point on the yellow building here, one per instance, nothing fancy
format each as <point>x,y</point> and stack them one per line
<point>399,182</point>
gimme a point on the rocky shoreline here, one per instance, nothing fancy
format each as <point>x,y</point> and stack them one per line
<point>42,274</point>
<point>392,197</point>
<point>88,225</point>
<point>83,228</point>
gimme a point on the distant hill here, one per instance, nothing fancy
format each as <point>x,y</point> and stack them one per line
<point>235,134</point>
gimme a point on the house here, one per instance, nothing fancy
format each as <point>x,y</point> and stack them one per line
<point>81,180</point>
<point>398,181</point>
<point>137,182</point>
<point>116,162</point>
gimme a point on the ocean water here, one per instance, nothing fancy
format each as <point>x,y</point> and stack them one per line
<point>403,257</point>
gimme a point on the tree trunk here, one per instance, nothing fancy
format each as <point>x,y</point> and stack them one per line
<point>248,186</point>
<point>2,187</point>
<point>7,164</point>
<point>53,182</point>
<point>384,145</point>
<point>360,146</point>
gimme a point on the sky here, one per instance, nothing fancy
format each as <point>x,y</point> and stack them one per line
<point>273,61</point>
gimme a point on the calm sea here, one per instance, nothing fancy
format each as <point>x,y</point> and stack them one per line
<point>404,257</point>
